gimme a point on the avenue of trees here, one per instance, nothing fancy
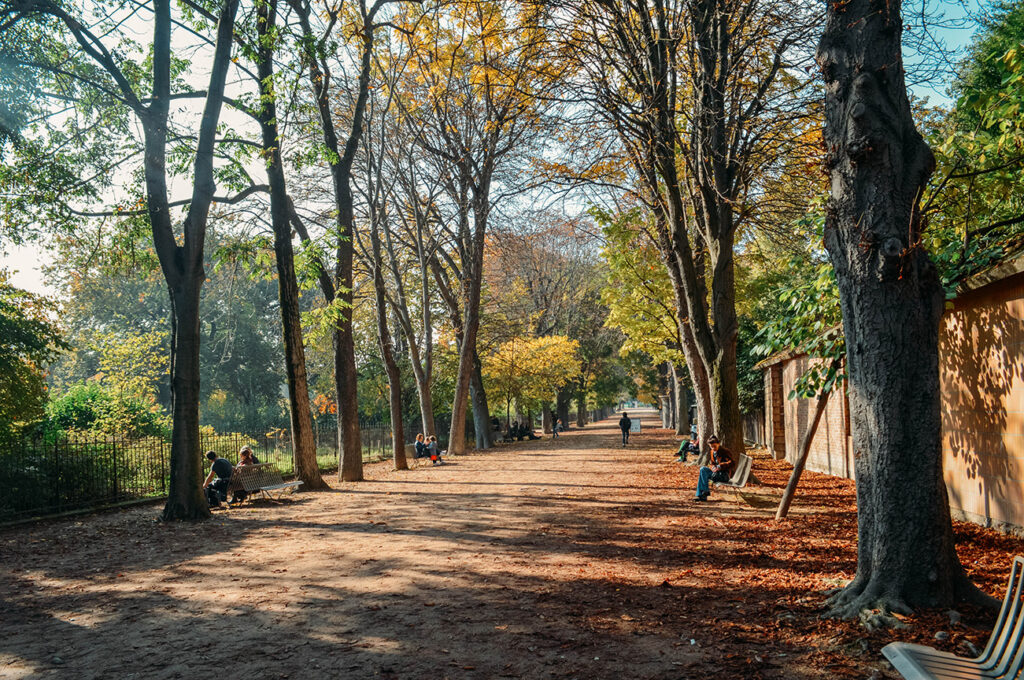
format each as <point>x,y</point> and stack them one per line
<point>443,211</point>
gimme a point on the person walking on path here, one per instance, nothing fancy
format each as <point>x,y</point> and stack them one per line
<point>556,428</point>
<point>625,424</point>
<point>720,469</point>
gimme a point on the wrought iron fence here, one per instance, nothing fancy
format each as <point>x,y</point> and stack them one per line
<point>47,475</point>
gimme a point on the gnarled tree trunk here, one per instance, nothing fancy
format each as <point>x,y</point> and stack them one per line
<point>892,303</point>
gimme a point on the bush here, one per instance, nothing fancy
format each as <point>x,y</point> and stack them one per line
<point>92,407</point>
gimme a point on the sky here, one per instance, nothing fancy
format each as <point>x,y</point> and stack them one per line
<point>25,262</point>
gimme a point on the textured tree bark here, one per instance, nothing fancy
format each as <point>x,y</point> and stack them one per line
<point>478,399</point>
<point>546,422</point>
<point>581,407</point>
<point>185,497</point>
<point>303,441</point>
<point>341,291</point>
<point>182,264</point>
<point>892,303</point>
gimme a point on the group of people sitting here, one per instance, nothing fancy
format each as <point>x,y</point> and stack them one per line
<point>721,463</point>
<point>217,482</point>
<point>518,431</point>
<point>426,447</point>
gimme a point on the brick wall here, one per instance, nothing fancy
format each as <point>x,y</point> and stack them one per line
<point>774,413</point>
<point>830,450</point>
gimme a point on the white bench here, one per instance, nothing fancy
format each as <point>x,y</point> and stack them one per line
<point>1003,656</point>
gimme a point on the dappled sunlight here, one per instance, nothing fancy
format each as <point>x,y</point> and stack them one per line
<point>589,561</point>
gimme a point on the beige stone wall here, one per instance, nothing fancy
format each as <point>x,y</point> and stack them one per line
<point>981,365</point>
<point>830,451</point>
<point>981,347</point>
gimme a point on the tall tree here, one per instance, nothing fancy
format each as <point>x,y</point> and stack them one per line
<point>698,96</point>
<point>303,442</point>
<point>316,47</point>
<point>473,97</point>
<point>892,302</point>
<point>377,193</point>
<point>180,252</point>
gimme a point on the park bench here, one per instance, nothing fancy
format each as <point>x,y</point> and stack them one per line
<point>739,479</point>
<point>263,478</point>
<point>1003,656</point>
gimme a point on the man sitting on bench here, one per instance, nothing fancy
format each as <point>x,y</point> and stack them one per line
<point>218,490</point>
<point>720,469</point>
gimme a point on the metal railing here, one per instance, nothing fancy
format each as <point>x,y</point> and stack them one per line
<point>48,475</point>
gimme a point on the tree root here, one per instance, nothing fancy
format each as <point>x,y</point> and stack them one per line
<point>322,486</point>
<point>967,592</point>
<point>875,606</point>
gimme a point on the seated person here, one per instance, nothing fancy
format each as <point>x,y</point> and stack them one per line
<point>421,446</point>
<point>217,489</point>
<point>245,457</point>
<point>720,469</point>
<point>688,447</point>
<point>434,451</point>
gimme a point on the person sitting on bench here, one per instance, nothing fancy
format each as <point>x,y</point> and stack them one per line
<point>720,469</point>
<point>687,447</point>
<point>245,457</point>
<point>421,446</point>
<point>434,451</point>
<point>217,489</point>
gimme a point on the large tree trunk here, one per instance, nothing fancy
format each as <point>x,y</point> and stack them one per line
<point>182,264</point>
<point>426,403</point>
<point>581,407</point>
<point>694,362</point>
<point>725,393</point>
<point>341,292</point>
<point>350,443</point>
<point>303,442</point>
<point>478,398</point>
<point>892,303</point>
<point>185,498</point>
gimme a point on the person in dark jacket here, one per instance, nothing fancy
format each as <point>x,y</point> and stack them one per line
<point>216,490</point>
<point>720,469</point>
<point>625,424</point>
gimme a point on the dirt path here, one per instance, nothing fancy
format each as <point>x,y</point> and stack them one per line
<point>558,558</point>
